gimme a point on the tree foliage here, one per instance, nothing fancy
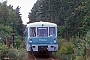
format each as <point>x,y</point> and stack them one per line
<point>72,15</point>
<point>10,20</point>
<point>8,15</point>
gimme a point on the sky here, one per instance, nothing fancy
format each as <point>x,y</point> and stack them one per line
<point>26,6</point>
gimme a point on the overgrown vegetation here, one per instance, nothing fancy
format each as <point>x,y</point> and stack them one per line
<point>13,53</point>
<point>10,21</point>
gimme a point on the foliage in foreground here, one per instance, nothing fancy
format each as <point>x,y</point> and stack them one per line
<point>13,53</point>
<point>75,49</point>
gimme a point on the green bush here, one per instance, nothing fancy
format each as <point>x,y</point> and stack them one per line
<point>13,53</point>
<point>17,54</point>
<point>67,48</point>
<point>79,58</point>
<point>4,49</point>
<point>63,50</point>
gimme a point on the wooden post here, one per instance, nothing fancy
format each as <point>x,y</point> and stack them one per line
<point>8,42</point>
<point>12,35</point>
<point>0,53</point>
<point>85,52</point>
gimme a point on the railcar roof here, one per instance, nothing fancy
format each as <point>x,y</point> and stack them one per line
<point>40,24</point>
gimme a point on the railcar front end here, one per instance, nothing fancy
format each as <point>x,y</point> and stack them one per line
<point>41,36</point>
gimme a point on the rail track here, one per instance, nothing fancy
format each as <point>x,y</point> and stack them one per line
<point>41,56</point>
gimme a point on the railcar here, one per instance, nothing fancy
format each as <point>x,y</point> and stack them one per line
<point>41,36</point>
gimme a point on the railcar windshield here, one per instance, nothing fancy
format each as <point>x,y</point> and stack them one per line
<point>32,31</point>
<point>42,31</point>
<point>52,31</point>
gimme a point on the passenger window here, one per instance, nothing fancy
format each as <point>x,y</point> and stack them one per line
<point>52,31</point>
<point>42,32</point>
<point>32,31</point>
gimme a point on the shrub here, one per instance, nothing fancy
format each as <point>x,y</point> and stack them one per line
<point>67,48</point>
<point>17,54</point>
<point>4,49</point>
<point>13,53</point>
<point>63,50</point>
<point>79,58</point>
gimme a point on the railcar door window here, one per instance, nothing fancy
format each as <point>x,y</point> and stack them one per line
<point>52,31</point>
<point>32,31</point>
<point>42,31</point>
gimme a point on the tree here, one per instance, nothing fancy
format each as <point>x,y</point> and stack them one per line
<point>10,20</point>
<point>62,12</point>
<point>19,25</point>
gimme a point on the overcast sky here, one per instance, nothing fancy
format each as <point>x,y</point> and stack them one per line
<point>26,6</point>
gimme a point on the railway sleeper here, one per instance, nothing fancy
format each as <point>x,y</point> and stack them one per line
<point>41,56</point>
<point>31,56</point>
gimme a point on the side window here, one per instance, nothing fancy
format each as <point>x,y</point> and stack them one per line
<point>25,32</point>
<point>52,31</point>
<point>32,31</point>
